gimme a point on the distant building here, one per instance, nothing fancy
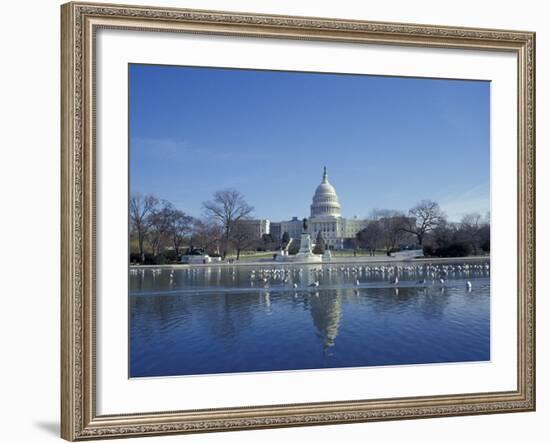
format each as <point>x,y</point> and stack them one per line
<point>353,225</point>
<point>275,231</point>
<point>293,227</point>
<point>325,216</point>
<point>259,227</point>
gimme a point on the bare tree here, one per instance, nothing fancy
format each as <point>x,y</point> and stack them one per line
<point>471,229</point>
<point>227,207</point>
<point>179,228</point>
<point>159,227</point>
<point>141,208</point>
<point>388,230</point>
<point>392,231</point>
<point>243,237</point>
<point>206,235</point>
<point>485,233</point>
<point>423,219</point>
<point>444,234</point>
<point>370,238</point>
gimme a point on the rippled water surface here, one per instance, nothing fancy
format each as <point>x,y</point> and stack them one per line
<point>209,319</point>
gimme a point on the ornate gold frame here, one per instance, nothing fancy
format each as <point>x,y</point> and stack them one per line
<point>79,420</point>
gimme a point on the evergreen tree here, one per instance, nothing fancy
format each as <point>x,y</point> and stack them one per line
<point>285,239</point>
<point>319,244</point>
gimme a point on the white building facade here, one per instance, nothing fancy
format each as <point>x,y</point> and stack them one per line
<point>325,217</point>
<point>293,227</point>
<point>258,227</point>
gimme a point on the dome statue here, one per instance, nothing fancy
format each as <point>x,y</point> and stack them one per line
<point>325,200</point>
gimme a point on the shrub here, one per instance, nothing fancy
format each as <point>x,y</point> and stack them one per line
<point>428,250</point>
<point>391,251</point>
<point>135,257</point>
<point>319,244</point>
<point>454,250</point>
<point>170,256</point>
<point>151,259</point>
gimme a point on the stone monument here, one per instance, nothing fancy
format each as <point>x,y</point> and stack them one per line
<point>305,254</point>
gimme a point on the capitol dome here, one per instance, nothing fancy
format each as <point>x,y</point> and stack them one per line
<point>325,201</point>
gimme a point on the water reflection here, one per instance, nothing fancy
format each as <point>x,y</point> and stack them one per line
<point>238,319</point>
<point>326,312</point>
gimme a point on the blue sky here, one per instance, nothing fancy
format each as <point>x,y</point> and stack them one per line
<point>387,142</point>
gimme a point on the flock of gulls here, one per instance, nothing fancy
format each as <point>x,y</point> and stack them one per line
<point>432,274</point>
<point>423,275</point>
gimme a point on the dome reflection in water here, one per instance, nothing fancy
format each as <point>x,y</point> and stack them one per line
<point>220,319</point>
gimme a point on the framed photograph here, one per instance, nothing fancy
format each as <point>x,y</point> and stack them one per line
<point>282,221</point>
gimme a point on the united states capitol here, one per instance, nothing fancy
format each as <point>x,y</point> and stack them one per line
<point>325,217</point>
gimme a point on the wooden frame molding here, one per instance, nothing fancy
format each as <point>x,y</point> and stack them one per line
<point>79,22</point>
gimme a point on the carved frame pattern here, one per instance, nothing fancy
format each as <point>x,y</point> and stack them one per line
<point>79,23</point>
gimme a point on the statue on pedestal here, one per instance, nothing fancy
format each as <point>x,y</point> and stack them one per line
<point>304,225</point>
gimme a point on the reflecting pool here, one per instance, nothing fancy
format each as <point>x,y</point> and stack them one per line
<point>221,319</point>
